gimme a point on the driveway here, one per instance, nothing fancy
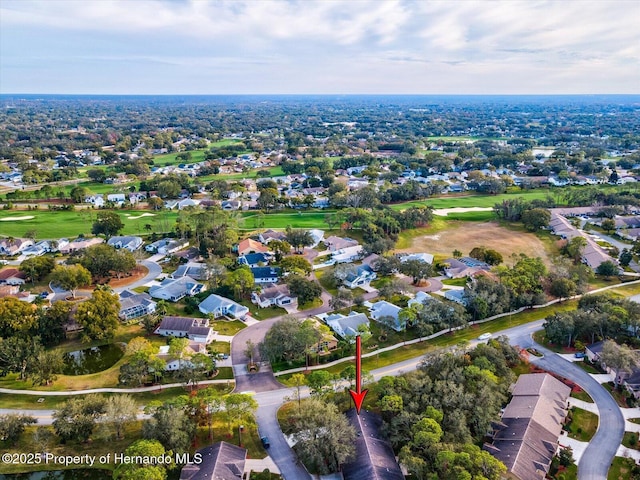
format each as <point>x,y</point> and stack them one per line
<point>154,272</point>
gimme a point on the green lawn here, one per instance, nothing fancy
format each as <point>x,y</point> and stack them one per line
<point>315,303</point>
<point>630,440</point>
<point>582,395</point>
<point>623,469</point>
<point>263,313</point>
<point>583,424</point>
<point>458,282</point>
<point>58,224</point>
<point>634,420</point>
<point>312,219</point>
<point>473,200</point>
<point>224,327</point>
<point>220,347</point>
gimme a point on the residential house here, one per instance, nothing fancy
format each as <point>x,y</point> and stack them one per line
<point>526,439</point>
<point>254,259</point>
<point>128,243</point>
<point>374,458</point>
<point>359,276</point>
<point>317,236</point>
<point>181,204</point>
<point>347,255</point>
<point>95,200</point>
<point>9,291</point>
<point>345,325</point>
<point>334,243</point>
<point>266,274</point>
<point>268,235</point>
<point>464,267</point>
<point>274,296</point>
<point>167,246</point>
<point>371,260</point>
<point>38,249</point>
<point>421,257</point>
<point>173,364</point>
<point>383,308</point>
<point>456,296</point>
<point>327,343</point>
<point>196,329</point>
<point>229,205</point>
<point>421,298</point>
<point>134,305</point>
<point>194,270</point>
<point>220,306</point>
<point>176,289</point>
<point>14,246</point>
<point>12,276</point>
<point>220,461</point>
<point>80,244</point>
<point>249,245</point>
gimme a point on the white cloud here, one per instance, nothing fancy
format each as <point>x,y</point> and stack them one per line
<point>378,46</point>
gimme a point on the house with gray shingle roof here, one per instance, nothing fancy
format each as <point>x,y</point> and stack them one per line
<point>220,306</point>
<point>196,329</point>
<point>134,305</point>
<point>176,289</point>
<point>220,461</point>
<point>345,325</point>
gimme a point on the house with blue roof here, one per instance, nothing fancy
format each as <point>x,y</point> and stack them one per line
<point>359,276</point>
<point>220,306</point>
<point>266,274</point>
<point>385,309</point>
<point>345,325</point>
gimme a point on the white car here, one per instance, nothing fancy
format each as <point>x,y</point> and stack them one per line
<point>484,336</point>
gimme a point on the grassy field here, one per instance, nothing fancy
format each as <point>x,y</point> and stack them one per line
<point>312,219</point>
<point>583,424</point>
<point>473,200</point>
<point>582,395</point>
<point>622,469</point>
<point>467,235</point>
<point>227,328</point>
<point>630,440</point>
<point>58,224</point>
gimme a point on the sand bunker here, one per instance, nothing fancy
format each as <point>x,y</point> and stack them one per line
<point>442,212</point>
<point>141,215</point>
<point>12,219</point>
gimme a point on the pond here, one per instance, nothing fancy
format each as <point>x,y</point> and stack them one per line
<point>73,474</point>
<point>91,360</point>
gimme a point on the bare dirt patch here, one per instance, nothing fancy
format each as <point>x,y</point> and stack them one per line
<point>466,235</point>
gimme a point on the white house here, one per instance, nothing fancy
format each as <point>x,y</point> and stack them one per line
<point>117,198</point>
<point>420,298</point>
<point>359,276</point>
<point>345,325</point>
<point>14,246</point>
<point>266,274</point>
<point>347,255</point>
<point>172,364</point>
<point>134,305</point>
<point>421,257</point>
<point>196,329</point>
<point>95,200</point>
<point>276,295</point>
<point>176,289</point>
<point>128,243</point>
<point>221,306</point>
<point>385,309</point>
<point>167,246</point>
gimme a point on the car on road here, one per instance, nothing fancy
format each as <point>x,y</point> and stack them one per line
<point>484,336</point>
<point>265,442</point>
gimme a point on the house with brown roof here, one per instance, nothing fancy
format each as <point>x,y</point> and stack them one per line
<point>275,295</point>
<point>374,458</point>
<point>12,276</point>
<point>13,246</point>
<point>249,245</point>
<point>220,461</point>
<point>526,438</point>
<point>334,243</point>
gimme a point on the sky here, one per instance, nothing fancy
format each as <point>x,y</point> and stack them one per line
<point>319,47</point>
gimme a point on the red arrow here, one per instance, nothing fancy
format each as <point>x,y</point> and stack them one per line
<point>359,394</point>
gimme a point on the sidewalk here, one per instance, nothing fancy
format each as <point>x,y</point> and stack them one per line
<point>589,407</point>
<point>260,464</point>
<point>577,446</point>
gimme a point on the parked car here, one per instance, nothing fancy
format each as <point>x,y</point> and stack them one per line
<point>484,336</point>
<point>265,442</point>
<point>579,355</point>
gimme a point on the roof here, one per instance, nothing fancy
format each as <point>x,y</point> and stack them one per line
<point>178,323</point>
<point>174,286</point>
<point>338,242</point>
<point>214,302</point>
<point>252,245</point>
<point>255,258</point>
<point>348,324</point>
<point>527,438</point>
<point>596,348</point>
<point>374,458</point>
<point>220,461</point>
<point>191,269</point>
<point>8,273</point>
<point>130,299</point>
<point>384,308</point>
<point>265,272</point>
<point>275,291</point>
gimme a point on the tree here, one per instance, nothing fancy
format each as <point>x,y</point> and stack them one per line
<point>107,223</point>
<point>36,268</point>
<point>155,203</point>
<point>319,381</point>
<point>17,318</point>
<point>298,380</point>
<point>98,316</point>
<point>239,410</point>
<point>625,257</point>
<point>19,355</point>
<point>97,175</point>
<point>324,438</point>
<point>574,247</point>
<point>178,350</point>
<point>341,299</point>
<point>563,288</point>
<point>48,364</point>
<point>295,264</point>
<point>76,418</point>
<point>171,426</point>
<point>416,269</point>
<point>241,281</point>
<point>305,290</point>
<point>620,358</point>
<point>298,239</point>
<point>210,397</point>
<point>145,470</point>
<point>288,339</point>
<point>102,259</point>
<point>268,199</point>
<point>78,194</point>
<point>280,248</point>
<point>119,411</point>
<point>13,425</point>
<point>71,277</point>
<point>536,218</point>
<point>608,225</point>
<point>607,269</point>
<point>457,253</point>
<point>216,272</point>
